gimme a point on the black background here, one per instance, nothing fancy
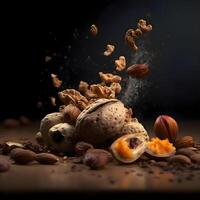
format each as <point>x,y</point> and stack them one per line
<point>31,31</point>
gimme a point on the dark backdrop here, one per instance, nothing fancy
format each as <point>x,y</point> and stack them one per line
<point>60,30</point>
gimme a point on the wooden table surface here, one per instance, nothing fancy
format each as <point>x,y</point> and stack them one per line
<point>61,178</point>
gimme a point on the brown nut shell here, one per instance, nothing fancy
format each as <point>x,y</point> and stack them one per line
<point>185,141</point>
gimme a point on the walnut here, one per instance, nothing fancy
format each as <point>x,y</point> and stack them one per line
<point>102,91</point>
<point>56,82</point>
<point>120,63</point>
<point>93,30</point>
<point>83,87</point>
<point>116,87</point>
<point>142,25</point>
<point>71,96</point>
<point>110,49</point>
<point>109,78</point>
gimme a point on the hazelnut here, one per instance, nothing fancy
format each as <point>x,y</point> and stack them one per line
<point>166,127</point>
<point>186,141</point>
<point>70,113</point>
<point>82,147</point>
<point>96,158</point>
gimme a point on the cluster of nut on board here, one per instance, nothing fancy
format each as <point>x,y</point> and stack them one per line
<point>96,127</point>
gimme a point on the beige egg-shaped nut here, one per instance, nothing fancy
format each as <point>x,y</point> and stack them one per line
<point>101,121</point>
<point>47,122</point>
<point>62,137</point>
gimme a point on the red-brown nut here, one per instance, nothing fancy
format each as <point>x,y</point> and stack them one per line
<point>70,113</point>
<point>166,127</point>
<point>82,147</point>
<point>96,158</point>
<point>138,70</point>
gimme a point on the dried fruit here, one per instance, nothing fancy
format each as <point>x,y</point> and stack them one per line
<point>46,158</point>
<point>62,137</point>
<point>128,148</point>
<point>101,121</point>
<point>71,113</point>
<point>195,158</point>
<point>56,82</point>
<point>109,50</point>
<point>22,156</point>
<point>82,147</point>
<point>93,30</point>
<point>166,127</point>
<point>96,158</point>
<point>160,148</point>
<point>179,159</point>
<point>4,165</point>
<point>138,70</point>
<point>185,151</point>
<point>185,141</point>
<point>120,63</point>
<point>109,78</point>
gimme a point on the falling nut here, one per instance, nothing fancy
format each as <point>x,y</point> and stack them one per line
<point>142,25</point>
<point>109,78</point>
<point>138,70</point>
<point>109,50</point>
<point>93,30</point>
<point>120,63</point>
<point>130,39</point>
<point>56,82</point>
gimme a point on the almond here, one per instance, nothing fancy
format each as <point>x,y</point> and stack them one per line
<point>46,158</point>
<point>185,151</point>
<point>186,141</point>
<point>179,159</point>
<point>22,156</point>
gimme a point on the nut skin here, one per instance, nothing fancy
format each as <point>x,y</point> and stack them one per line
<point>182,142</point>
<point>49,121</point>
<point>22,156</point>
<point>96,158</point>
<point>71,113</point>
<point>100,122</point>
<point>46,158</point>
<point>82,147</point>
<point>166,127</point>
